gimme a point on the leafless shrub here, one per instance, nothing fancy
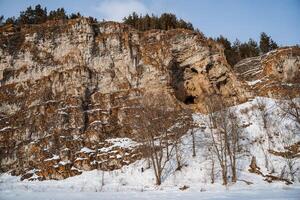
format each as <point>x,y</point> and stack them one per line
<point>160,129</point>
<point>225,133</point>
<point>290,108</point>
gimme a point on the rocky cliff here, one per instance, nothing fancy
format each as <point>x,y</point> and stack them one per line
<point>69,87</point>
<point>275,74</point>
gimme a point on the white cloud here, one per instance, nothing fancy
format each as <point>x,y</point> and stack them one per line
<point>116,10</point>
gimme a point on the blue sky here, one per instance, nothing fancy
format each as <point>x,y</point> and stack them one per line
<point>232,18</point>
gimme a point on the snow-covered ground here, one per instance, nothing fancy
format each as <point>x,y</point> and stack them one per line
<point>88,186</point>
<point>260,194</point>
<point>137,181</point>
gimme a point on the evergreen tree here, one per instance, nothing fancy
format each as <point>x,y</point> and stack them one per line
<point>33,16</point>
<point>10,20</point>
<point>60,13</point>
<point>232,51</point>
<point>1,20</point>
<point>93,20</point>
<point>237,51</point>
<point>266,44</point>
<point>253,48</point>
<point>147,22</point>
<point>40,14</point>
<point>228,50</point>
<point>166,21</point>
<point>75,15</point>
<point>224,41</point>
<point>273,45</point>
<point>248,49</point>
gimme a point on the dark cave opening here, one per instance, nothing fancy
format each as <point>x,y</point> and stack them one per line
<point>223,82</point>
<point>190,99</point>
<point>194,70</point>
<point>208,67</point>
<point>177,74</point>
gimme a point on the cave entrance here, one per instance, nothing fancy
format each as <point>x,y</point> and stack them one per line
<point>177,73</point>
<point>190,99</point>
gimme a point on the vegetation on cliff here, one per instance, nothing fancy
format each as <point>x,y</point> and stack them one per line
<point>165,21</point>
<point>238,51</point>
<point>75,97</point>
<point>234,52</point>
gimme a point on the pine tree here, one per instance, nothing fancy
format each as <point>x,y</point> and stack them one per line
<point>10,20</point>
<point>33,16</point>
<point>58,14</point>
<point>1,20</point>
<point>75,15</point>
<point>166,21</point>
<point>248,49</point>
<point>236,49</point>
<point>40,14</point>
<point>273,45</point>
<point>227,48</point>
<point>266,44</point>
<point>224,41</point>
<point>253,48</point>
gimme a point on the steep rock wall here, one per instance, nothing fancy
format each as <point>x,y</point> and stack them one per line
<point>70,85</point>
<point>275,74</point>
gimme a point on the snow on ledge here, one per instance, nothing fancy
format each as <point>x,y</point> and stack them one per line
<point>87,150</point>
<point>122,142</point>
<point>125,143</point>
<point>55,157</point>
<point>253,82</point>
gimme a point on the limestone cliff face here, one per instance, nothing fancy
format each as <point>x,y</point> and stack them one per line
<point>275,74</point>
<point>67,87</point>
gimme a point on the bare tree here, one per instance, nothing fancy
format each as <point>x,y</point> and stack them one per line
<point>263,111</point>
<point>184,121</point>
<point>193,142</point>
<point>288,141</point>
<point>262,107</point>
<point>212,160</point>
<point>178,153</point>
<point>233,145</point>
<point>102,181</point>
<point>225,133</point>
<point>160,129</point>
<point>193,128</point>
<point>291,109</point>
<point>217,136</point>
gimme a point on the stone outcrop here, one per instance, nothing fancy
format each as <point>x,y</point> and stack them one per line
<point>69,89</point>
<point>66,85</point>
<point>108,156</point>
<point>292,151</point>
<point>267,177</point>
<point>274,74</point>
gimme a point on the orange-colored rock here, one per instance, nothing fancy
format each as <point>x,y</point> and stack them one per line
<point>73,84</point>
<point>275,74</point>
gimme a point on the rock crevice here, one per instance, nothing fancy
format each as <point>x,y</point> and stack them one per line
<point>72,84</point>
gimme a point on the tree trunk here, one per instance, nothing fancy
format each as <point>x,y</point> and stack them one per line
<point>233,168</point>
<point>224,174</point>
<point>212,171</point>
<point>177,157</point>
<point>194,143</point>
<point>158,177</point>
<point>158,181</point>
